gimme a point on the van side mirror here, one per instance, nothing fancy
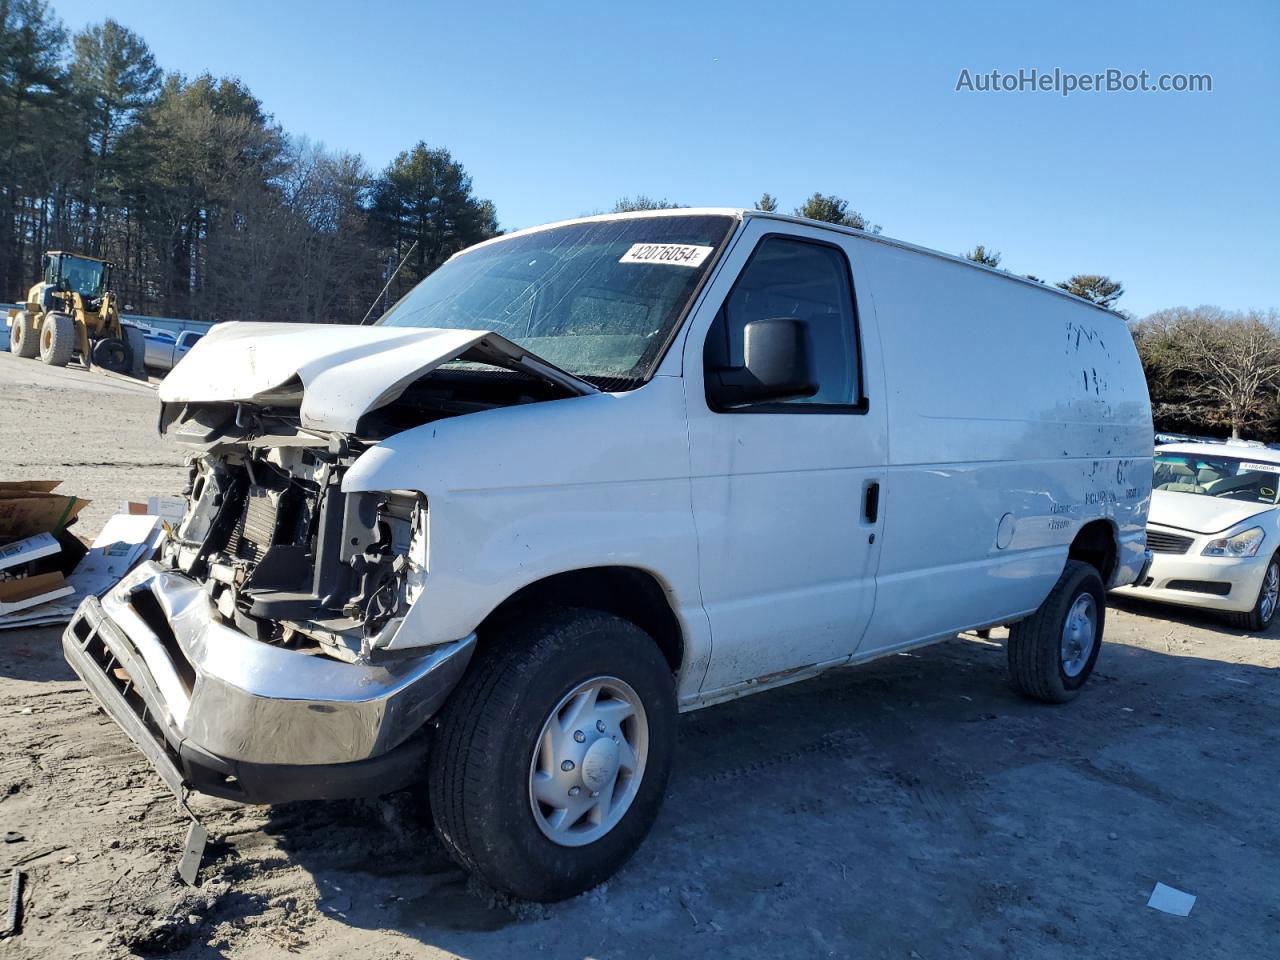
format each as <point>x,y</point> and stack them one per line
<point>776,365</point>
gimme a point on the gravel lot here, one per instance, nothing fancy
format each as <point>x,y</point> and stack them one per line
<point>914,808</point>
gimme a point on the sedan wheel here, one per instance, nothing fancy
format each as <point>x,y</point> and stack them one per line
<point>1266,604</point>
<point>1270,593</point>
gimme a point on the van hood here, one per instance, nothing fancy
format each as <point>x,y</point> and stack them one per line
<point>338,372</point>
<point>1200,513</point>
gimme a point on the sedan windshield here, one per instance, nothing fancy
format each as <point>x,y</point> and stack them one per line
<point>1231,478</point>
<point>598,299</point>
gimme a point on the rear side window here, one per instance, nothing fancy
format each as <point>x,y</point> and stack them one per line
<point>787,277</point>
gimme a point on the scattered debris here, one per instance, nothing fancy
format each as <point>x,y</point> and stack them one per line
<point>69,859</point>
<point>28,549</point>
<point>29,507</point>
<point>13,924</point>
<point>1169,900</point>
<point>169,509</point>
<point>13,836</point>
<point>46,573</point>
<point>193,853</point>
<point>124,542</point>
<point>36,551</point>
<point>37,854</point>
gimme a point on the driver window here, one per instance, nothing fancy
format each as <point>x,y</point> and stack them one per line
<point>787,277</point>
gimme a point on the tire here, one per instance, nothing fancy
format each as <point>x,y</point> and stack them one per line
<point>1260,617</point>
<point>137,344</point>
<point>57,339</point>
<point>23,341</point>
<point>112,354</point>
<point>484,767</point>
<point>1041,665</point>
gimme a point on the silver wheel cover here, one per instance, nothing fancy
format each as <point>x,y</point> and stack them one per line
<point>588,762</point>
<point>1079,634</point>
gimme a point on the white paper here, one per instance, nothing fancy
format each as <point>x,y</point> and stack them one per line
<point>126,540</point>
<point>668,254</point>
<point>169,509</point>
<point>32,548</point>
<point>1168,900</point>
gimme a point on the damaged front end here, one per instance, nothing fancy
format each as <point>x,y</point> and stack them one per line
<point>284,554</point>
<point>251,660</point>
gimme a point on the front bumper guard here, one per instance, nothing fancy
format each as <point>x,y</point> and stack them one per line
<point>228,715</point>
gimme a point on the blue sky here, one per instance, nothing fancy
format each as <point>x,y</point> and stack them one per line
<point>559,109</point>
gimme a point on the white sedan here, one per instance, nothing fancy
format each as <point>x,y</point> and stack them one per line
<point>1214,531</point>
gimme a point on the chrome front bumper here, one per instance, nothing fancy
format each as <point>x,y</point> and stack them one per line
<point>226,714</point>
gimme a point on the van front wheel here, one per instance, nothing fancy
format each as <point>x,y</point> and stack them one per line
<point>553,754</point>
<point>1052,652</point>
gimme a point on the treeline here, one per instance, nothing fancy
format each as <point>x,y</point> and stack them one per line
<point>209,209</point>
<point>1213,372</point>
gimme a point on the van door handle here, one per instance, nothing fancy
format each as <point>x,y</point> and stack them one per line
<point>871,502</point>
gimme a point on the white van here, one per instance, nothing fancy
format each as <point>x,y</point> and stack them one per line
<point>589,475</point>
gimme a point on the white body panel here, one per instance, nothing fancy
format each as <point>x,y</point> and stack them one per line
<point>1002,400</point>
<point>787,560</point>
<point>522,493</point>
<point>1001,416</point>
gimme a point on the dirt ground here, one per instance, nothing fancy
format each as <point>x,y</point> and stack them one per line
<point>913,808</point>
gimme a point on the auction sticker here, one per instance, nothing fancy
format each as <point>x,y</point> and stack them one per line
<point>672,254</point>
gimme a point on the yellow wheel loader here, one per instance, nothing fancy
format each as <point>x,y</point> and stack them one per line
<point>73,310</point>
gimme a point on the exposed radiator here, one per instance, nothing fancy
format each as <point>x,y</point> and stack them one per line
<point>256,526</point>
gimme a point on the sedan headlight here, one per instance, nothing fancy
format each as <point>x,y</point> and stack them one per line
<point>1241,545</point>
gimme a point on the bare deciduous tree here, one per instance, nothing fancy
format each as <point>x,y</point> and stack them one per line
<point>1212,365</point>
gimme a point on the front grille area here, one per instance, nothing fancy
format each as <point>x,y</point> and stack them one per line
<point>1158,541</point>
<point>86,632</point>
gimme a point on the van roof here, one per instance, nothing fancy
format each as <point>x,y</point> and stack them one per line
<point>745,213</point>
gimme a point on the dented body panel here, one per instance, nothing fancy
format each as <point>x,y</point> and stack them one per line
<point>337,373</point>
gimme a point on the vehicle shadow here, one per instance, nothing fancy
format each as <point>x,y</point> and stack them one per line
<point>913,804</point>
<point>1186,616</point>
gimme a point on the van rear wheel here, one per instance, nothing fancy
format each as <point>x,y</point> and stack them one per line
<point>1052,652</point>
<point>553,753</point>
